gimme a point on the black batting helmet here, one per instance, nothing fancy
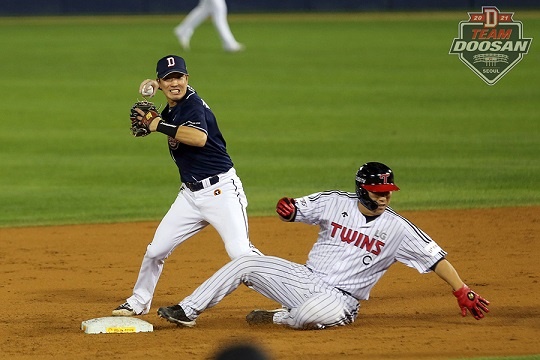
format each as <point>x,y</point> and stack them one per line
<point>374,177</point>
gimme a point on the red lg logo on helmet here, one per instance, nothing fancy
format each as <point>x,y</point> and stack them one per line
<point>384,178</point>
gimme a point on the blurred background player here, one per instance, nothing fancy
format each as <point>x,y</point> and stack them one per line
<point>217,10</point>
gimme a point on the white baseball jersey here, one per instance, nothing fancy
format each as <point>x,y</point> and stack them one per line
<point>351,254</point>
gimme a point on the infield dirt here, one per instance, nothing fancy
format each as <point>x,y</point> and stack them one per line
<point>53,278</point>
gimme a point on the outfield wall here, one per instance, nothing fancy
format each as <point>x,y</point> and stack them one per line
<point>98,7</point>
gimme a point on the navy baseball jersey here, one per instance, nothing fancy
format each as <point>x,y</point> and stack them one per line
<point>197,163</point>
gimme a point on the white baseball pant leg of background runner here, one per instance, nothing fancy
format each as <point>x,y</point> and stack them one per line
<point>223,205</point>
<point>312,303</point>
<point>217,9</point>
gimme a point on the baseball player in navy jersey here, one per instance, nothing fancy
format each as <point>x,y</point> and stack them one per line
<point>211,191</point>
<point>360,237</point>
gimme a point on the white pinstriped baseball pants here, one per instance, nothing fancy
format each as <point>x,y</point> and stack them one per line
<point>311,303</point>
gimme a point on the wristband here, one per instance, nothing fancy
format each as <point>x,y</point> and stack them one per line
<point>167,129</point>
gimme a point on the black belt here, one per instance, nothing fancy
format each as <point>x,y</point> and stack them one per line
<point>196,186</point>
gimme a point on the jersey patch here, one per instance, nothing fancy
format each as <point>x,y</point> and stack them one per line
<point>173,143</point>
<point>432,248</point>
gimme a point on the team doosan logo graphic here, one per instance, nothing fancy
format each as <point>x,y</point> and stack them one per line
<point>490,43</point>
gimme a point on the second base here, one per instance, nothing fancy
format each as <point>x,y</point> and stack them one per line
<point>116,325</point>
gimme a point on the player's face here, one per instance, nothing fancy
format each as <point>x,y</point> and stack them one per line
<point>174,87</point>
<point>381,198</point>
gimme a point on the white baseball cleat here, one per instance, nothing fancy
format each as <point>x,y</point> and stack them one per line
<point>234,48</point>
<point>124,310</point>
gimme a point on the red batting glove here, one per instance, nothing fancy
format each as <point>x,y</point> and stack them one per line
<point>285,208</point>
<point>469,300</point>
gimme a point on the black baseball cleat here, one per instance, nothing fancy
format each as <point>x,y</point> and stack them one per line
<point>175,314</point>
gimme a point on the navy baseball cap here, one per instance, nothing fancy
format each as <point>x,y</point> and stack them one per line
<point>170,64</point>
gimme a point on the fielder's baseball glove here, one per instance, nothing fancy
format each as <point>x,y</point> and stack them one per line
<point>139,128</point>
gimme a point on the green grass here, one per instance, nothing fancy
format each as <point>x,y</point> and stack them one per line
<point>312,98</point>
